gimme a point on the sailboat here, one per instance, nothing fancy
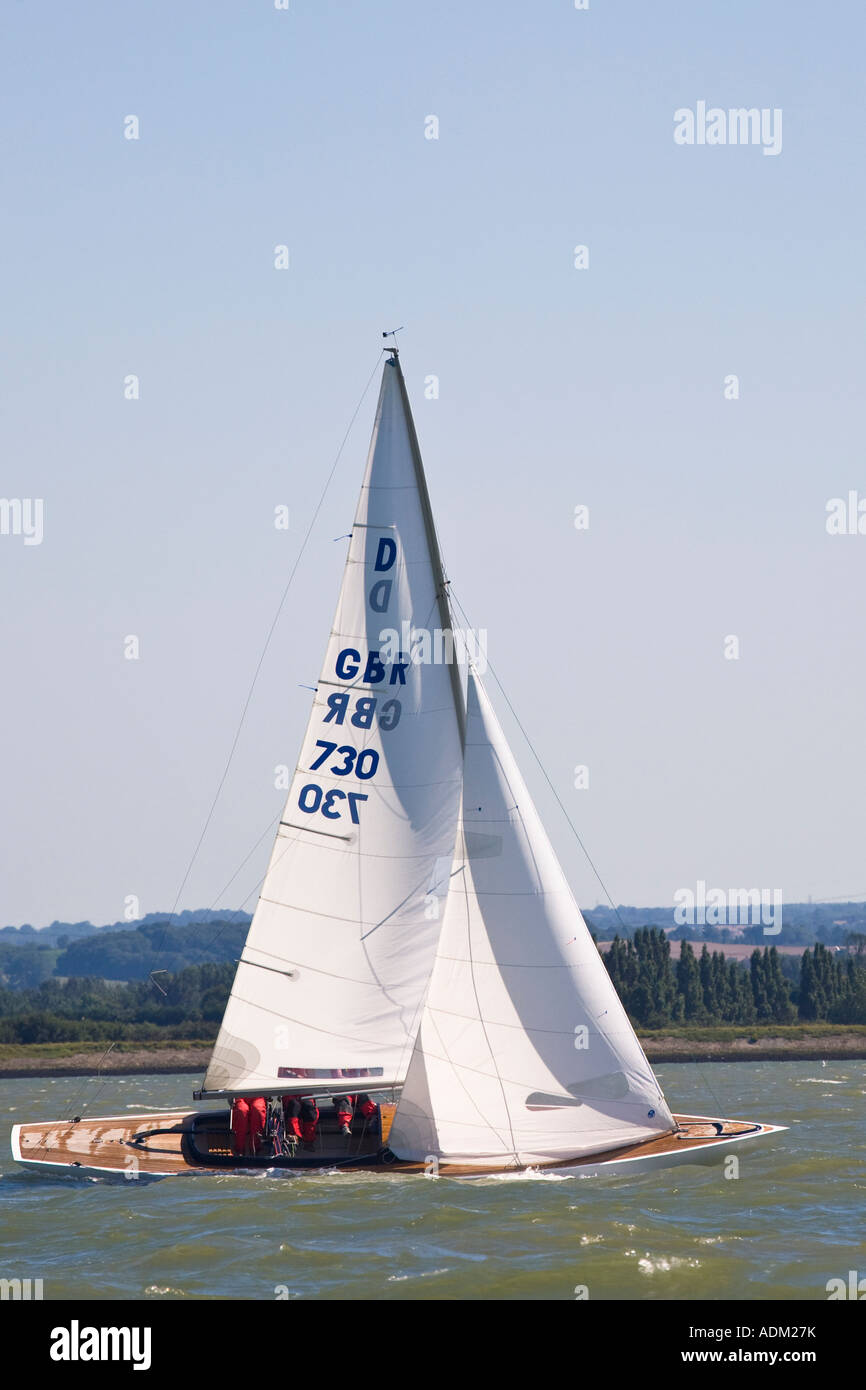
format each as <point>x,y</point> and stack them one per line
<point>417,973</point>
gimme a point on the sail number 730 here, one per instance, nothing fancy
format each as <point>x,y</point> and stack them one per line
<point>363,764</point>
<point>349,761</point>
<point>312,799</point>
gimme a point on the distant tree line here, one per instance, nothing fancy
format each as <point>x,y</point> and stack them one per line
<point>657,991</point>
<point>708,989</point>
<point>805,924</point>
<point>189,1004</point>
<point>122,955</point>
<point>62,933</point>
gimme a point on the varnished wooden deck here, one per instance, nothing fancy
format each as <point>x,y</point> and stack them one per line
<point>698,1133</point>
<point>152,1144</point>
<point>158,1145</point>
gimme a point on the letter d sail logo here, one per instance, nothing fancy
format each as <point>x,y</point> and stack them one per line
<point>379,596</point>
<point>386,554</point>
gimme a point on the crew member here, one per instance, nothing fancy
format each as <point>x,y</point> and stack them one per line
<point>240,1124</point>
<point>309,1120</point>
<point>258,1120</point>
<point>366,1107</point>
<point>343,1107</point>
<point>292,1115</point>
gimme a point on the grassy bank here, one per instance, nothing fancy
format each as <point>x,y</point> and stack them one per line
<point>774,1043</point>
<point>85,1059</point>
<point>804,1041</point>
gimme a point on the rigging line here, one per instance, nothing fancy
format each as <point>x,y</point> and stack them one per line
<point>256,886</point>
<point>557,797</point>
<point>82,1090</point>
<point>720,1109</point>
<point>270,634</point>
<point>237,911</point>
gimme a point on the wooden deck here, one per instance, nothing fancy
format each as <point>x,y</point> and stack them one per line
<point>159,1145</point>
<point>697,1133</point>
<point>151,1144</point>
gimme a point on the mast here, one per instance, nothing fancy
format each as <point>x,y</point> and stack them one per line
<point>442,598</point>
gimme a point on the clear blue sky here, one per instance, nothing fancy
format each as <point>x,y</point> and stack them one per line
<point>557,387</point>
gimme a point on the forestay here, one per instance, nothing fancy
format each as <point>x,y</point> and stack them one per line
<point>524,1053</point>
<point>342,942</point>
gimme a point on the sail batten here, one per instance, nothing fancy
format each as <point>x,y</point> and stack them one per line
<point>524,1052</point>
<point>345,909</point>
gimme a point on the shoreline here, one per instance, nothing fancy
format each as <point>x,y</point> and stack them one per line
<point>46,1060</point>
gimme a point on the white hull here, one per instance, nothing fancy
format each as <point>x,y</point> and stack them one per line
<point>147,1148</point>
<point>714,1152</point>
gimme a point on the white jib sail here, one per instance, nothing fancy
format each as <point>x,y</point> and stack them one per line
<point>342,941</point>
<point>524,1053</point>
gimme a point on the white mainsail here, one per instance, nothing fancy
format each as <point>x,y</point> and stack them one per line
<point>341,945</point>
<point>524,1052</point>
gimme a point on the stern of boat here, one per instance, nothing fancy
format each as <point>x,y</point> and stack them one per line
<point>126,1147</point>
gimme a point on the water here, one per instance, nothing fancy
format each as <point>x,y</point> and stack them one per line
<point>793,1219</point>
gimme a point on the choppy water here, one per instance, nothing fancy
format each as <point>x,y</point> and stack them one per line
<point>793,1219</point>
